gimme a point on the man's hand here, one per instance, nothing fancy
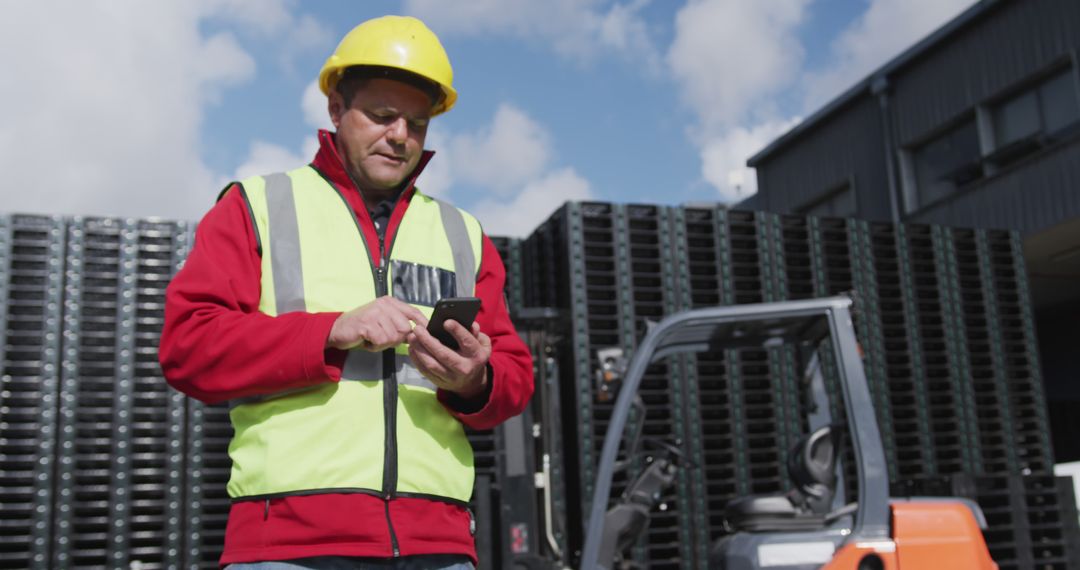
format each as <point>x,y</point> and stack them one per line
<point>464,371</point>
<point>383,323</point>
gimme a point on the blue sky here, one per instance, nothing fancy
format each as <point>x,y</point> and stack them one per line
<point>134,108</point>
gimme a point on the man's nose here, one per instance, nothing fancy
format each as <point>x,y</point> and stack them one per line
<point>398,130</point>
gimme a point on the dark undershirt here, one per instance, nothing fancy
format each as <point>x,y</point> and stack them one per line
<point>380,214</point>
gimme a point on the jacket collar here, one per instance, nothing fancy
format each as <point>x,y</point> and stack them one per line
<point>328,161</point>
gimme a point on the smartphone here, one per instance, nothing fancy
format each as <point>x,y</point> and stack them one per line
<point>460,309</point>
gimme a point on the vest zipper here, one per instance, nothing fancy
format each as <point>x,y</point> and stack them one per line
<point>390,395</point>
<point>393,535</point>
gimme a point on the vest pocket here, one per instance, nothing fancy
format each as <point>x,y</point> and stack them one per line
<point>324,439</point>
<point>434,457</point>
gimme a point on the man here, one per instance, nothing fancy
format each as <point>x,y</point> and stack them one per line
<point>304,305</point>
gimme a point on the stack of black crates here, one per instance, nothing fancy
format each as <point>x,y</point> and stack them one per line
<point>942,316</point>
<point>92,440</point>
<point>102,465</point>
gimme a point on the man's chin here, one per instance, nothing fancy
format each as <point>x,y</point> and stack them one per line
<point>383,180</point>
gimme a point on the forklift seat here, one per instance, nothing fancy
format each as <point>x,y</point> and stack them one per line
<point>812,467</point>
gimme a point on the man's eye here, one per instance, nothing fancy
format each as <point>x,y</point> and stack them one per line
<point>418,123</point>
<point>382,116</point>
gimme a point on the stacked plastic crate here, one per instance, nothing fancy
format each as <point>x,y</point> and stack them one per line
<point>486,443</point>
<point>871,337</point>
<point>159,413</point>
<point>743,407</point>
<point>1013,333</point>
<point>620,278</point>
<point>993,420</point>
<point>653,296</point>
<point>31,277</point>
<point>94,475</point>
<point>1031,519</point>
<point>754,372</point>
<point>120,484</point>
<point>948,415</point>
<point>832,267</point>
<point>208,468</point>
<point>118,478</point>
<point>933,426</point>
<point>786,252</point>
<point>717,446</point>
<point>554,258</point>
<point>510,251</point>
<point>902,365</point>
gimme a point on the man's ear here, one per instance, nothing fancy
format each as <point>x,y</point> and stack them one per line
<point>335,105</point>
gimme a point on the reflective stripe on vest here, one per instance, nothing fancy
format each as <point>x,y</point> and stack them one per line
<point>285,243</point>
<point>458,236</point>
<point>315,260</point>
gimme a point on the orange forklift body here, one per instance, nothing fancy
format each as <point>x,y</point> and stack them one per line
<point>925,535</point>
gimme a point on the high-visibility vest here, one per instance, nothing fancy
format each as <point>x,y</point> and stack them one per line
<point>381,429</point>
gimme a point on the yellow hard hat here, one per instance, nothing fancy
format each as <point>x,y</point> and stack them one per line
<point>400,42</point>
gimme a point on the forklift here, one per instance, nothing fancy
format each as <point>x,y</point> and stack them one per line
<point>812,526</point>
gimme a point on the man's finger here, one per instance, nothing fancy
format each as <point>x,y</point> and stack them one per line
<point>466,342</point>
<point>402,325</point>
<point>409,312</point>
<point>484,340</point>
<point>388,334</point>
<point>434,346</point>
<point>427,364</point>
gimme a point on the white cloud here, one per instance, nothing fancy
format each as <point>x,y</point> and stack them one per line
<point>265,18</point>
<point>886,29</point>
<point>231,65</point>
<point>501,157</point>
<point>502,172</point>
<point>728,56</point>
<point>730,60</point>
<point>303,35</point>
<point>504,156</point>
<point>577,29</point>
<point>438,176</point>
<point>104,101</point>
<point>275,21</point>
<point>313,106</point>
<point>536,201</point>
<point>724,158</point>
<point>264,158</point>
<point>101,115</point>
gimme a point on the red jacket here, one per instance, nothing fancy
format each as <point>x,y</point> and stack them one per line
<point>217,346</point>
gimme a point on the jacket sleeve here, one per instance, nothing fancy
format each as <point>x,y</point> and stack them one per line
<point>215,344</point>
<point>510,370</point>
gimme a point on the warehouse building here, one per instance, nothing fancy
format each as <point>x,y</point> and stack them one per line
<point>977,125</point>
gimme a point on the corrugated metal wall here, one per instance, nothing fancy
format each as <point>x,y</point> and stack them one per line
<point>849,146</point>
<point>1009,43</point>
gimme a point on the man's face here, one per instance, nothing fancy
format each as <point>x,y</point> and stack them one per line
<point>381,133</point>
